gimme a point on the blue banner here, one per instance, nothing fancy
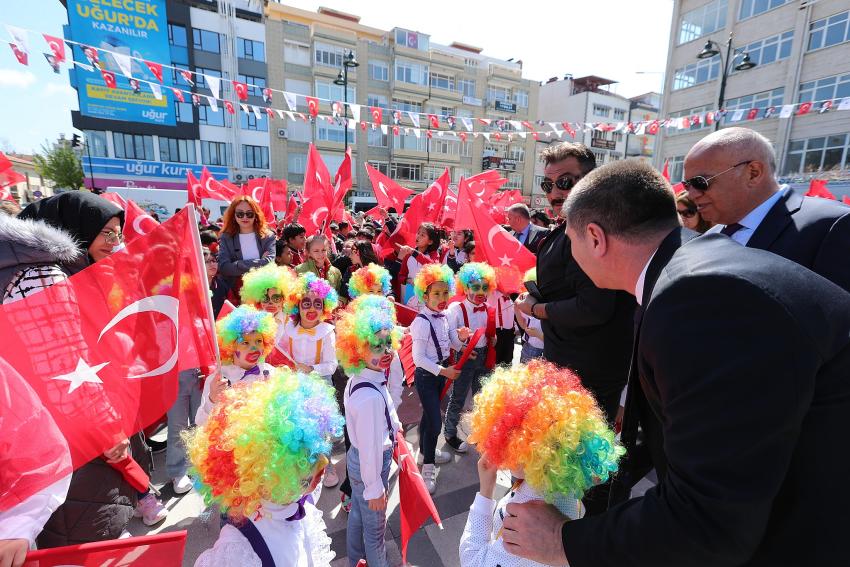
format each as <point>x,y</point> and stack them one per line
<point>138,28</point>
<point>165,170</point>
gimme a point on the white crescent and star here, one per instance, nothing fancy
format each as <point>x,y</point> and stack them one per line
<point>137,223</point>
<point>164,304</point>
<point>82,374</point>
<point>383,189</point>
<point>254,193</point>
<point>316,214</point>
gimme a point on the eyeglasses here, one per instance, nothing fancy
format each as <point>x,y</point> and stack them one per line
<point>479,287</point>
<point>112,237</point>
<point>687,213</point>
<point>244,214</point>
<point>274,298</point>
<point>564,183</point>
<point>701,183</point>
<point>318,304</point>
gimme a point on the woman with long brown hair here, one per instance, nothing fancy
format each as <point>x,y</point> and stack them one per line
<point>246,241</point>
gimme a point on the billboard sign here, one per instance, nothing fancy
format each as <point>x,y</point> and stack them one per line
<point>137,29</point>
<point>113,172</point>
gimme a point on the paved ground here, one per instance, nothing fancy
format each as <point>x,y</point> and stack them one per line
<point>457,484</point>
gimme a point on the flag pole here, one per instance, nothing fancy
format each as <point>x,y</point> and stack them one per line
<point>199,259</point>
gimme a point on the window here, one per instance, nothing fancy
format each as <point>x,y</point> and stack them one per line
<point>377,100</point>
<point>183,112</point>
<point>200,81</point>
<point>827,88</point>
<point>410,142</point>
<point>177,35</point>
<point>432,172</point>
<point>328,132</point>
<point>215,153</point>
<point>514,181</point>
<point>297,87</point>
<point>204,40</point>
<point>703,20</point>
<point>677,168</point>
<point>412,40</point>
<point>255,157</point>
<point>466,149</point>
<point>598,134</point>
<point>466,86</point>
<point>498,93</point>
<point>96,141</point>
<point>762,100</point>
<point>379,70</point>
<point>697,73</point>
<point>521,98</point>
<point>600,110</point>
<point>377,138</point>
<point>442,146</point>
<point>250,49</point>
<point>133,146</point>
<point>297,163</point>
<point>173,149</point>
<point>255,84</point>
<point>410,72</point>
<point>617,136</point>
<point>406,171</point>
<point>329,55</point>
<point>249,121</point>
<point>815,155</point>
<point>471,63</point>
<point>750,8</point>
<point>828,31</point>
<point>516,153</point>
<point>207,117</point>
<point>381,166</point>
<point>298,53</point>
<point>600,158</point>
<point>619,114</point>
<point>460,172</point>
<point>441,81</point>
<point>176,77</point>
<point>407,105</point>
<point>770,49</point>
<point>330,91</point>
<point>700,111</point>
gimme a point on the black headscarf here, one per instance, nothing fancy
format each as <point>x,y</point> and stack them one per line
<point>80,213</point>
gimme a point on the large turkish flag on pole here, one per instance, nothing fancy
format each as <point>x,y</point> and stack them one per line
<point>102,350</point>
<point>162,550</point>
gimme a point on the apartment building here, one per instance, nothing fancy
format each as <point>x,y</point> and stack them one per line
<point>402,70</point>
<point>801,51</point>
<point>642,108</point>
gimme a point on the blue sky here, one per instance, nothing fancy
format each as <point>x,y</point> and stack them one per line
<point>622,40</point>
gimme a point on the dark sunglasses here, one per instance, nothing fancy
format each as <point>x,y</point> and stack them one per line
<point>318,304</point>
<point>701,183</point>
<point>687,213</point>
<point>244,214</point>
<point>564,183</point>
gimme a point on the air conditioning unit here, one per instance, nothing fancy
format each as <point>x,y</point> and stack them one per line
<point>250,177</point>
<point>238,177</point>
<point>281,133</point>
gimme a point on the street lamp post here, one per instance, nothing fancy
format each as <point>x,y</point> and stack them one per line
<point>348,62</point>
<point>711,49</point>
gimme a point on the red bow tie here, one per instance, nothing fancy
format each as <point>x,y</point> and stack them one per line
<point>480,308</point>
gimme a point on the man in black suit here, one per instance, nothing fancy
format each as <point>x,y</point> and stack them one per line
<point>749,205</point>
<point>528,234</point>
<point>744,357</point>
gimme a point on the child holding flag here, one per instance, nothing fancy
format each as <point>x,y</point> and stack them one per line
<point>367,340</point>
<point>261,456</point>
<point>432,341</point>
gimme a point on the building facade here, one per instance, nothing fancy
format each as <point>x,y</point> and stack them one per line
<point>642,108</point>
<point>400,70</point>
<point>802,54</point>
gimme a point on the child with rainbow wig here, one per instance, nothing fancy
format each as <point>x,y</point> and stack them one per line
<point>477,281</point>
<point>245,338</point>
<point>371,278</point>
<point>432,339</point>
<point>539,422</point>
<point>266,288</point>
<point>367,338</point>
<point>260,456</point>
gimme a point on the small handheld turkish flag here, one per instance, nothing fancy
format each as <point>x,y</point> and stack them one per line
<point>313,106</point>
<point>108,78</point>
<point>156,69</point>
<point>241,90</point>
<point>162,550</point>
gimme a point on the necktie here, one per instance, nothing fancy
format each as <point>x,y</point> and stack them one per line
<point>301,512</point>
<point>519,237</point>
<point>437,315</point>
<point>303,331</point>
<point>480,308</point>
<point>731,229</point>
<point>255,370</point>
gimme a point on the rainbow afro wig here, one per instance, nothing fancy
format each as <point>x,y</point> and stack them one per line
<point>538,418</point>
<point>264,441</point>
<point>256,282</point>
<point>367,279</point>
<point>311,283</point>
<point>530,275</point>
<point>430,274</point>
<point>242,321</point>
<point>476,273</point>
<point>358,327</point>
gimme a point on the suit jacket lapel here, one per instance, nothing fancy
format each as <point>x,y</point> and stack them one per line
<point>777,218</point>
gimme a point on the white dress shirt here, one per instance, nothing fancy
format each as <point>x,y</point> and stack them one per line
<point>481,543</point>
<point>396,381</point>
<point>304,344</point>
<point>424,352</point>
<point>366,421</point>
<point>522,235</point>
<point>478,320</point>
<point>248,246</point>
<point>504,309</point>
<point>236,375</point>
<point>753,219</point>
<point>532,323</point>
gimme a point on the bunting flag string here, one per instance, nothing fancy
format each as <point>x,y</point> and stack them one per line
<point>492,129</point>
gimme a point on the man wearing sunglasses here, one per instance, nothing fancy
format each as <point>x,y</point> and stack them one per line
<point>731,176</point>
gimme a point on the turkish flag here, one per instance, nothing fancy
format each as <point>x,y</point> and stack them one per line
<point>137,221</point>
<point>435,122</point>
<point>845,199</point>
<point>156,69</point>
<point>678,188</point>
<point>317,179</point>
<point>405,232</point>
<point>652,128</point>
<point>377,114</point>
<point>20,54</point>
<point>817,188</point>
<point>241,90</point>
<point>434,196</point>
<point>484,184</point>
<point>178,95</point>
<point>313,106</point>
<point>57,47</point>
<point>109,78</point>
<point>665,171</point>
<point>415,504</point>
<point>187,76</point>
<point>500,201</point>
<point>162,550</point>
<point>341,184</point>
<point>709,118</point>
<point>259,190</point>
<point>804,108</point>
<point>211,188</point>
<point>229,106</point>
<point>449,211</point>
<point>8,176</point>
<point>277,188</point>
<point>753,114</point>
<point>102,349</point>
<point>388,193</point>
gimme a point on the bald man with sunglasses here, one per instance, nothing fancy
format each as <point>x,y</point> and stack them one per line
<point>731,177</point>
